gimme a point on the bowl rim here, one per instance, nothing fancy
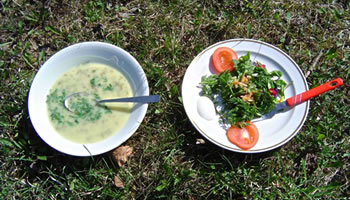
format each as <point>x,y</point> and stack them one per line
<point>84,149</point>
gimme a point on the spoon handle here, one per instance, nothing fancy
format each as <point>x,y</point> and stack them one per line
<point>300,98</point>
<point>139,99</point>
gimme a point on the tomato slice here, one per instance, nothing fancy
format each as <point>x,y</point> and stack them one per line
<point>222,59</point>
<point>245,138</point>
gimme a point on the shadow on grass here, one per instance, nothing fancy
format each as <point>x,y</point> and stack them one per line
<point>44,159</point>
<point>212,154</point>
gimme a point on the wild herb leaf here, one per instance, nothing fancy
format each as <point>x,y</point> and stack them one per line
<point>245,93</point>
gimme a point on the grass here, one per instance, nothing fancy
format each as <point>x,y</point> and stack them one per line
<point>164,36</point>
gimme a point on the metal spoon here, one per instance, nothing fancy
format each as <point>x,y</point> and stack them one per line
<point>138,99</point>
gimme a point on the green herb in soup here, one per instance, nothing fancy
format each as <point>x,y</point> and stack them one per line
<point>90,122</point>
<point>101,82</point>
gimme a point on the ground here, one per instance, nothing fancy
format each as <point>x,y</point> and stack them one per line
<point>167,163</point>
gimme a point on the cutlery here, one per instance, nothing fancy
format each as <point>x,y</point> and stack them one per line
<point>300,98</point>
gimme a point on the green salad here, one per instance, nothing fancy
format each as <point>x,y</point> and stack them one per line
<point>247,92</point>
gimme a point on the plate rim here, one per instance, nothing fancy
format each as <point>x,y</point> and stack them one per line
<point>272,147</point>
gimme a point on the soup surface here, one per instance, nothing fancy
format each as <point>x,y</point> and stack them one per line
<point>89,122</point>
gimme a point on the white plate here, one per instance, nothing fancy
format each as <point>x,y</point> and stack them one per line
<point>274,132</point>
<point>63,61</point>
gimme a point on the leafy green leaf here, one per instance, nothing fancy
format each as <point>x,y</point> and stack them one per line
<point>245,92</point>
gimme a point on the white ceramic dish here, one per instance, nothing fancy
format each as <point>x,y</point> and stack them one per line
<point>63,61</point>
<point>274,132</point>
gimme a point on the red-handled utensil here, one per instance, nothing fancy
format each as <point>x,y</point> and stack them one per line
<point>297,99</point>
<point>302,97</point>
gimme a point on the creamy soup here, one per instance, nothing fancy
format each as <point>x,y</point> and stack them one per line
<point>89,122</point>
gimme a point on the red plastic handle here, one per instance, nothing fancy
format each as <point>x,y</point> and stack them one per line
<point>300,98</point>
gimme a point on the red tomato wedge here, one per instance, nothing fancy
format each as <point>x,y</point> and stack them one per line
<point>222,59</point>
<point>245,138</point>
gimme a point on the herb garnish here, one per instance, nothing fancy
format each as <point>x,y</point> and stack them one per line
<point>85,108</point>
<point>98,82</point>
<point>56,97</point>
<point>246,93</point>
